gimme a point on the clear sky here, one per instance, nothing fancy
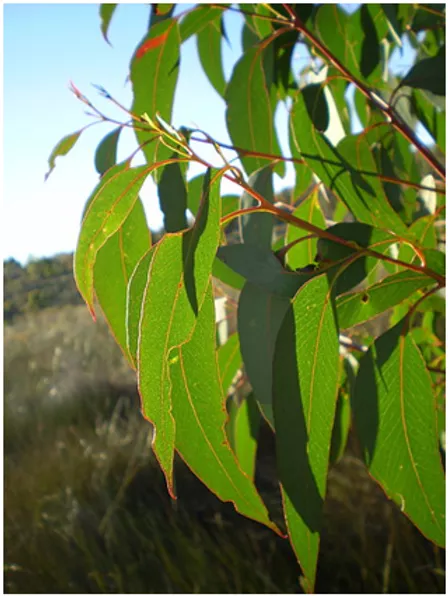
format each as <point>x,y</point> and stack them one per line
<point>46,46</point>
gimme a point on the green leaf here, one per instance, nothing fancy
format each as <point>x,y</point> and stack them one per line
<point>225,274</point>
<point>435,260</point>
<point>242,431</point>
<point>342,169</point>
<point>173,197</point>
<point>432,118</point>
<point>428,74</point>
<point>304,252</point>
<point>305,383</point>
<point>134,300</point>
<point>256,228</point>
<point>106,152</point>
<point>342,418</point>
<point>261,267</point>
<point>364,305</point>
<point>108,207</point>
<point>229,361</point>
<point>113,267</point>
<point>260,315</point>
<point>198,408</point>
<point>396,425</point>
<point>179,274</point>
<point>198,18</point>
<point>250,109</point>
<point>154,76</point>
<point>106,13</point>
<point>210,55</point>
<point>62,148</point>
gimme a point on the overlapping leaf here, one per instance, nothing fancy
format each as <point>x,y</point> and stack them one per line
<point>198,408</point>
<point>106,152</point>
<point>304,252</point>
<point>256,228</point>
<point>396,425</point>
<point>178,277</point>
<point>242,431</point>
<point>62,148</point>
<point>108,207</point>
<point>198,18</point>
<point>305,382</point>
<point>229,361</point>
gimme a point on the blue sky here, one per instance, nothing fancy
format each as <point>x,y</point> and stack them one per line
<point>46,46</point>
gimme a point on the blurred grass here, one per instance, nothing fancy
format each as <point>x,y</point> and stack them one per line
<point>86,508</point>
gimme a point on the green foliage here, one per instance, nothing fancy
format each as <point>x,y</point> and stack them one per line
<point>353,248</point>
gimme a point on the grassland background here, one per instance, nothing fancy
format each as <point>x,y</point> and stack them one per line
<point>86,509</point>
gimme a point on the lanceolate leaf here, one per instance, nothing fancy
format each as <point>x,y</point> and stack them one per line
<point>260,315</point>
<point>396,425</point>
<point>199,411</point>
<point>173,197</point>
<point>305,382</point>
<point>229,361</point>
<point>209,49</point>
<point>154,74</point>
<point>106,152</point>
<point>114,265</point>
<point>106,14</point>
<point>134,301</point>
<point>362,306</point>
<point>178,277</point>
<point>342,169</point>
<point>108,207</point>
<point>62,148</point>
<point>250,110</point>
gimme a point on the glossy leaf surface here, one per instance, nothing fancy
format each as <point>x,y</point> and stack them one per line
<point>396,425</point>
<point>305,381</point>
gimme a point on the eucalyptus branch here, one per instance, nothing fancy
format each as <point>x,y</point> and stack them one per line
<point>395,120</point>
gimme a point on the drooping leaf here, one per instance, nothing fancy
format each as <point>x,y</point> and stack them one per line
<point>358,307</point>
<point>227,275</point>
<point>108,207</point>
<point>260,315</point>
<point>256,228</point>
<point>134,301</point>
<point>428,74</point>
<point>305,382</point>
<point>342,169</point>
<point>159,13</point>
<point>106,14</point>
<point>424,236</point>
<point>106,152</point>
<point>62,148</point>
<point>229,361</point>
<point>198,408</point>
<point>198,18</point>
<point>432,118</point>
<point>250,109</point>
<point>396,425</point>
<point>154,73</point>
<point>113,267</point>
<point>209,50</point>
<point>304,252</point>
<point>342,418</point>
<point>179,274</point>
<point>242,431</point>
